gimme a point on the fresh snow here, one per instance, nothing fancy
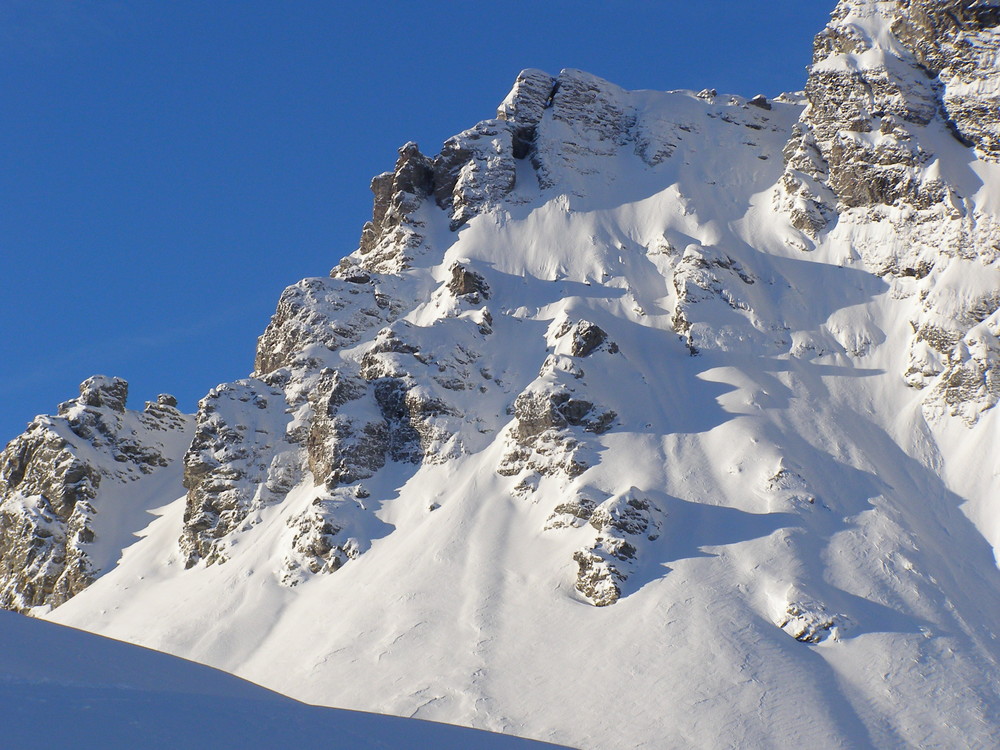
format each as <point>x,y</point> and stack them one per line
<point>63,688</point>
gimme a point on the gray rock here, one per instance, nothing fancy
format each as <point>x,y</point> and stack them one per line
<point>468,284</point>
<point>390,238</point>
<point>524,107</point>
<point>238,461</point>
<point>475,170</point>
<point>51,479</point>
<point>100,390</point>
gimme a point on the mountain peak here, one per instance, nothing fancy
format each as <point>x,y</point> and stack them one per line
<point>610,372</point>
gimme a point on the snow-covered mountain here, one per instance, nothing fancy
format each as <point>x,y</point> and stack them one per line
<point>637,419</point>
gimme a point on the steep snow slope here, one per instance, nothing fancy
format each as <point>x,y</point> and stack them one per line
<point>638,419</point>
<point>64,688</point>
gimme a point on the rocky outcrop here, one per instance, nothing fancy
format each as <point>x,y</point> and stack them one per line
<point>889,82</point>
<point>468,284</point>
<point>969,379</point>
<point>320,543</point>
<point>958,42</point>
<point>707,278</point>
<point>882,74</point>
<point>589,117</point>
<point>549,425</point>
<point>524,106</point>
<point>57,477</point>
<point>475,170</point>
<point>322,314</point>
<point>622,523</point>
<point>811,622</point>
<point>395,232</point>
<point>238,462</point>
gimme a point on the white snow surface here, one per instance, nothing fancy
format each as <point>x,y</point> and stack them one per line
<point>62,688</point>
<point>800,487</point>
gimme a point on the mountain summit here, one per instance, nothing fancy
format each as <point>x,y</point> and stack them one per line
<point>637,419</point>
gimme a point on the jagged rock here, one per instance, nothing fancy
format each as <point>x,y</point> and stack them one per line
<point>624,523</point>
<point>99,391</point>
<point>51,483</point>
<point>345,445</point>
<point>475,170</point>
<point>524,107</point>
<point>573,514</point>
<point>810,623</point>
<point>238,461</point>
<point>760,101</point>
<point>317,314</point>
<point>537,412</point>
<point>591,117</point>
<point>596,579</point>
<point>468,284</point>
<point>586,338</point>
<point>626,515</point>
<point>969,382</point>
<point>318,545</point>
<point>392,236</point>
<point>707,277</point>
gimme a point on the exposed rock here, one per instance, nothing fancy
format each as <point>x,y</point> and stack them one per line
<point>53,482</point>
<point>239,461</point>
<point>100,391</point>
<point>585,338</point>
<point>475,170</point>
<point>599,581</point>
<point>318,544</point>
<point>707,277</point>
<point>314,313</point>
<point>591,117</point>
<point>524,106</point>
<point>537,412</point>
<point>468,284</point>
<point>389,240</point>
<point>624,522</point>
<point>868,104</point>
<point>969,383</point>
<point>810,623</point>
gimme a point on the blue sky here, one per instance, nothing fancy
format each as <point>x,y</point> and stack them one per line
<point>169,166</point>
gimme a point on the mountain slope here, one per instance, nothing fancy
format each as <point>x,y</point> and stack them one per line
<point>64,688</point>
<point>637,419</point>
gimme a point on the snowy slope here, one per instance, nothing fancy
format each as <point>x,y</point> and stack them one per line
<point>64,688</point>
<point>638,419</point>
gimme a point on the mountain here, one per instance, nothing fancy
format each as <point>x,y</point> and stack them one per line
<point>637,419</point>
<point>65,688</point>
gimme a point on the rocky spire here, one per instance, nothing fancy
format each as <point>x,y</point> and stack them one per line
<point>882,74</point>
<point>54,480</point>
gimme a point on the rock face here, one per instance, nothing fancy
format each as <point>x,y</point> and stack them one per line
<point>62,474</point>
<point>652,368</point>
<point>890,82</point>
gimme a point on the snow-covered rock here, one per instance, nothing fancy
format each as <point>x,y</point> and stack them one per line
<point>685,393</point>
<point>75,487</point>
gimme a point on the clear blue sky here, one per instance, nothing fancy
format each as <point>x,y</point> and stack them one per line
<point>167,167</point>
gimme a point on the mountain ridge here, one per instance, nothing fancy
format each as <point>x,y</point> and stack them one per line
<point>722,367</point>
